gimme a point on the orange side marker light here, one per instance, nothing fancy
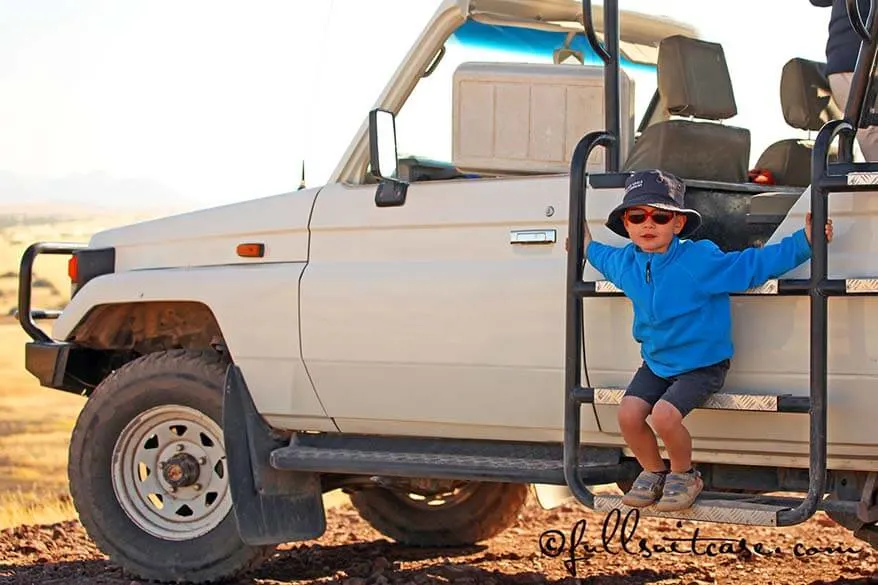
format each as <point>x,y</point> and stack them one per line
<point>251,250</point>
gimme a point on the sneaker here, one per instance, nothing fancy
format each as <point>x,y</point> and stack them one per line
<point>647,489</point>
<point>680,491</point>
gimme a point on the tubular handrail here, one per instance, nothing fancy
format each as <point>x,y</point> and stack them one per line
<point>609,54</point>
<point>588,25</point>
<point>818,296</point>
<point>575,265</point>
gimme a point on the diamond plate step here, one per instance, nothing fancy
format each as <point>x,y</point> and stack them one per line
<point>724,401</point>
<point>446,459</point>
<point>709,507</point>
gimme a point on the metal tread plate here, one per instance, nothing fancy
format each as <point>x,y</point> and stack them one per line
<point>305,454</point>
<point>705,509</point>
<point>770,287</point>
<point>861,285</point>
<point>718,401</point>
<point>474,467</point>
<point>862,178</point>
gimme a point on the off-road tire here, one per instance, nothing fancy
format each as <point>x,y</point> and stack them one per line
<point>176,377</point>
<point>489,509</point>
<point>868,533</point>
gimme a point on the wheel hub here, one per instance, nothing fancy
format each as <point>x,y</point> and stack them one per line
<point>181,470</point>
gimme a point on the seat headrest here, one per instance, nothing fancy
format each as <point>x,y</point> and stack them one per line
<point>805,96</point>
<point>693,78</point>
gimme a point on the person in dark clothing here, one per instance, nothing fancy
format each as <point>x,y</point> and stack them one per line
<point>842,49</point>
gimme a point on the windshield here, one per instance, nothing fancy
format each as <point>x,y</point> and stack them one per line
<point>424,123</point>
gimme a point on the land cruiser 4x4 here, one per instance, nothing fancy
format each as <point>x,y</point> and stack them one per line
<point>428,335</point>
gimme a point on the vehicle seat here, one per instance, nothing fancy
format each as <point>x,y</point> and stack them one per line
<point>807,104</point>
<point>694,81</point>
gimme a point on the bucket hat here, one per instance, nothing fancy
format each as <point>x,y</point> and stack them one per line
<point>654,188</point>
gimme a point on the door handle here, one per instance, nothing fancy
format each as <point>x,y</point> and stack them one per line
<point>532,237</point>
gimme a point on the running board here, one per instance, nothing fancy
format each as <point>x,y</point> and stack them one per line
<point>441,458</point>
<point>718,401</point>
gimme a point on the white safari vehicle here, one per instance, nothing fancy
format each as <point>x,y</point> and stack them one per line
<point>428,336</point>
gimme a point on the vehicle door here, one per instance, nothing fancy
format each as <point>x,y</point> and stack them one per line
<point>443,315</point>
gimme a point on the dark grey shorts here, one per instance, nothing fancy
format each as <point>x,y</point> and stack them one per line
<point>686,391</point>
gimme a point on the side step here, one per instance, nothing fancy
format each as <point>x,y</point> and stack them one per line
<point>719,401</point>
<point>441,458</point>
<point>726,508</point>
<point>712,507</point>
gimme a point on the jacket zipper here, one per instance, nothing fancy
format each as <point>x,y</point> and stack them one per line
<point>651,291</point>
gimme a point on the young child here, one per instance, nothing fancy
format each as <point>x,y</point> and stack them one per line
<point>679,290</point>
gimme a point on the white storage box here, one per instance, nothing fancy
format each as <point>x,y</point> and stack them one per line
<point>521,118</point>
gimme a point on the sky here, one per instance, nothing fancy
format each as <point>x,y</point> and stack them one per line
<point>195,103</point>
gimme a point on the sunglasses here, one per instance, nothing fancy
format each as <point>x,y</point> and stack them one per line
<point>659,216</point>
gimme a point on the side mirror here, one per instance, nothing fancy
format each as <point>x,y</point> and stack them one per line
<point>382,144</point>
<point>384,159</point>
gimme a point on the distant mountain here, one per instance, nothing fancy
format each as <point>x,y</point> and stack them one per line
<point>92,192</point>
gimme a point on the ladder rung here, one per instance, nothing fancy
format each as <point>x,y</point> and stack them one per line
<point>583,395</point>
<point>849,286</point>
<point>724,401</point>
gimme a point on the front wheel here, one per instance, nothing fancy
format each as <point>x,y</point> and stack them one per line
<point>148,471</point>
<point>462,515</point>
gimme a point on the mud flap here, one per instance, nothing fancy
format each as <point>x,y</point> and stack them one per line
<point>271,506</point>
<point>552,496</point>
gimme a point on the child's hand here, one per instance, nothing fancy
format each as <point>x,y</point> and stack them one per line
<point>808,228</point>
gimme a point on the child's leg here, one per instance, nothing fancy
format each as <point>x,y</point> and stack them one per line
<point>642,393</point>
<point>637,434</point>
<point>688,392</point>
<point>644,390</point>
<point>668,423</point>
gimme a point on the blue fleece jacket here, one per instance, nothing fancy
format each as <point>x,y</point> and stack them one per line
<point>682,309</point>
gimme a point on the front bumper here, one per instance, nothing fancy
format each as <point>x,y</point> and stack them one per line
<point>47,361</point>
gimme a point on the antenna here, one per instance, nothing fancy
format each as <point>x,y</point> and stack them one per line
<point>302,183</point>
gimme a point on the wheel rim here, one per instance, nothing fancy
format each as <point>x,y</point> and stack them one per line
<point>169,473</point>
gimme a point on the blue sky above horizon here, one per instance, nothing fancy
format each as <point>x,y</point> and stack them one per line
<point>203,103</point>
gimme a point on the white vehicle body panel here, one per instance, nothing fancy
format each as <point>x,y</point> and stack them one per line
<point>257,309</point>
<point>209,237</point>
<point>425,319</point>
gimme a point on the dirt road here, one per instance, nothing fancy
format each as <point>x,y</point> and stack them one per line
<point>351,553</point>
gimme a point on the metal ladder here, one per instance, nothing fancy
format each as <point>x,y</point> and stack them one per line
<point>843,176</point>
